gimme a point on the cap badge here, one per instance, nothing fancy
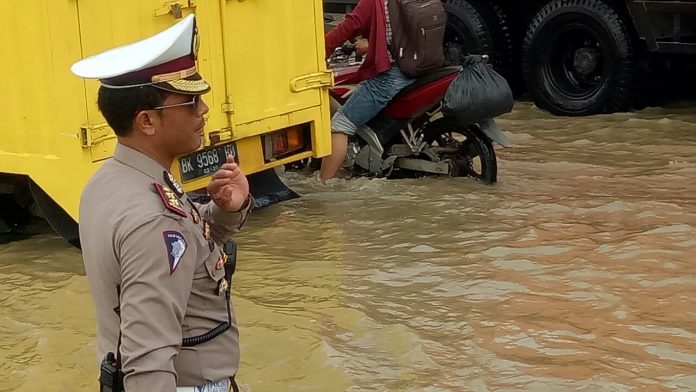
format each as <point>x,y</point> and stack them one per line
<point>195,42</point>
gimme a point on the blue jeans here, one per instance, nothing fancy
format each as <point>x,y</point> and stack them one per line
<point>368,99</point>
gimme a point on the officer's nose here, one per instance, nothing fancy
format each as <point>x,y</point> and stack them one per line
<point>202,108</point>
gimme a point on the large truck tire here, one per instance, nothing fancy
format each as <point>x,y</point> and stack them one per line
<point>478,27</point>
<point>579,58</point>
<point>15,203</point>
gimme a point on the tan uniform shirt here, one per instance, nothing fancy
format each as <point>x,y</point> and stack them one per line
<point>168,269</point>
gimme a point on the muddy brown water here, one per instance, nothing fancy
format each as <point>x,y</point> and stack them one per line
<point>575,272</point>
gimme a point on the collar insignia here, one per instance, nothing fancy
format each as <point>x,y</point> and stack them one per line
<point>195,215</point>
<point>169,179</point>
<point>171,202</point>
<point>176,247</point>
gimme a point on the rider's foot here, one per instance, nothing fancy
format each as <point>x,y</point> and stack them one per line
<point>342,175</point>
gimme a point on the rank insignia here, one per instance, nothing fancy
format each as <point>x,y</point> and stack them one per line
<point>220,263</point>
<point>222,288</point>
<point>195,214</point>
<point>176,247</point>
<point>169,179</point>
<point>171,202</point>
<point>206,230</point>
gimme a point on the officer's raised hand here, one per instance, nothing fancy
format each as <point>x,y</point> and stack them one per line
<point>229,187</point>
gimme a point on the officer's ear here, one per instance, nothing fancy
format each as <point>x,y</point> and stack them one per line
<point>145,121</point>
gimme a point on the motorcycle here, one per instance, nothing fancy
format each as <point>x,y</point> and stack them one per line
<point>411,136</point>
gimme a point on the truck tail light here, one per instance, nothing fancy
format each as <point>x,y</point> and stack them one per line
<point>285,142</point>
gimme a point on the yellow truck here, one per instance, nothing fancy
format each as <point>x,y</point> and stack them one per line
<point>269,104</point>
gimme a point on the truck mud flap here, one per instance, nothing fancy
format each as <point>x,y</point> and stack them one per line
<point>267,188</point>
<point>60,220</point>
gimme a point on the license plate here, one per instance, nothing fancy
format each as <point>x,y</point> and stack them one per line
<point>205,162</point>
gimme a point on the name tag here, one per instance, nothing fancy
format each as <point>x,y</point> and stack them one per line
<point>211,386</point>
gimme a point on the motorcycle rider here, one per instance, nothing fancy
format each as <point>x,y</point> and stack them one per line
<point>380,78</point>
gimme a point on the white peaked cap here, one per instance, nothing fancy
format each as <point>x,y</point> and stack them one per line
<point>165,60</point>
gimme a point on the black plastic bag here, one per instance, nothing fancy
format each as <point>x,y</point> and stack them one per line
<point>478,93</point>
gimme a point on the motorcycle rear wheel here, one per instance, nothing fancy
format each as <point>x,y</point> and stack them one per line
<point>474,156</point>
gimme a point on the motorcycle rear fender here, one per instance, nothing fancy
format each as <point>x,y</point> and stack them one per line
<point>493,131</point>
<point>370,137</point>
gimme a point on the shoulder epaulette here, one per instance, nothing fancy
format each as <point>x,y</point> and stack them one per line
<point>171,202</point>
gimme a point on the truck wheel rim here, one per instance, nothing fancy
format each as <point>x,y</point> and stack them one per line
<point>577,63</point>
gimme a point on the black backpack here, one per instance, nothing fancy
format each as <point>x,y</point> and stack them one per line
<point>418,33</point>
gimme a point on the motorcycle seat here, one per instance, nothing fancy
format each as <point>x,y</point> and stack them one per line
<point>427,78</point>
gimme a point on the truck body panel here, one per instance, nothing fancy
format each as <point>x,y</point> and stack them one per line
<point>266,69</point>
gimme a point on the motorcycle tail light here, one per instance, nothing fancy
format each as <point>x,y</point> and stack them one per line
<point>284,142</point>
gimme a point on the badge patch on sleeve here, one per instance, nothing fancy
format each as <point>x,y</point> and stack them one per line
<point>176,247</point>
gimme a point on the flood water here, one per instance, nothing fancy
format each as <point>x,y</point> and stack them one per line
<point>576,271</point>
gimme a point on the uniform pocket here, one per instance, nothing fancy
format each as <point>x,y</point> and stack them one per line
<point>188,367</point>
<point>207,284</point>
<point>215,267</point>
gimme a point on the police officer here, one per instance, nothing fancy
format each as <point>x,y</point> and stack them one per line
<point>153,256</point>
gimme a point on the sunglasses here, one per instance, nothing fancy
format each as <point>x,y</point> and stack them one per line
<point>193,102</point>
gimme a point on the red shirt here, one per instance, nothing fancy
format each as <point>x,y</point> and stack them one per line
<point>369,20</point>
